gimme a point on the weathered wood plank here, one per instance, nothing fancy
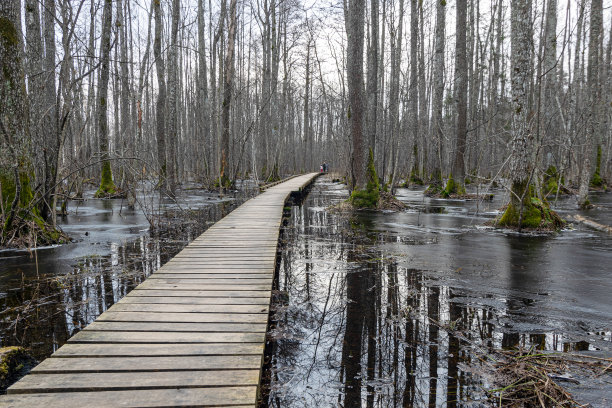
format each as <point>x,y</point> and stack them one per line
<point>180,308</point>
<point>230,294</point>
<point>152,284</point>
<point>92,336</point>
<point>178,327</point>
<point>178,397</point>
<point>57,365</point>
<point>133,380</point>
<point>183,317</point>
<point>204,275</point>
<point>220,300</point>
<point>159,350</point>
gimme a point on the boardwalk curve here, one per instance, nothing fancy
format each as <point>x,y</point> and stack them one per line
<point>192,334</point>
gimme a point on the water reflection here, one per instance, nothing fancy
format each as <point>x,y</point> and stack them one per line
<point>48,295</point>
<point>388,310</point>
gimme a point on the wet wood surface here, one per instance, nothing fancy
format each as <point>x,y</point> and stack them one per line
<point>192,334</point>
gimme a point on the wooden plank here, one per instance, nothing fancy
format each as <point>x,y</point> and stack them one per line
<point>57,365</point>
<point>178,397</point>
<point>178,327</point>
<point>152,284</point>
<point>133,380</point>
<point>230,294</point>
<point>204,275</point>
<point>262,280</point>
<point>179,308</point>
<point>92,336</point>
<point>184,317</point>
<point>159,350</point>
<point>220,300</point>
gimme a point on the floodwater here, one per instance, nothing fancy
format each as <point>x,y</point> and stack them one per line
<point>48,295</point>
<point>395,309</point>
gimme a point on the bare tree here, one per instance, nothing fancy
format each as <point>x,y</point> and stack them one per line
<point>107,185</point>
<point>228,82</point>
<point>593,90</point>
<point>355,12</point>
<point>457,180</point>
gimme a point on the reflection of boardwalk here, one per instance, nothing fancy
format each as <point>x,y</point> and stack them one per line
<point>192,334</point>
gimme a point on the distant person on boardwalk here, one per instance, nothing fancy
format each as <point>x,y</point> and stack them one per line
<point>321,168</point>
<point>324,167</point>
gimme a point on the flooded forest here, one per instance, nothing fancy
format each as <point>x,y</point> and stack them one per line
<point>455,250</point>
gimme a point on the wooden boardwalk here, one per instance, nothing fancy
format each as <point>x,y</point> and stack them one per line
<point>192,334</point>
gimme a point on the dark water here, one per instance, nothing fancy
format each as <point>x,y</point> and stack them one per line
<point>47,295</point>
<point>395,309</point>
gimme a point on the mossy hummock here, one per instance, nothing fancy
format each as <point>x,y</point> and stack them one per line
<point>369,197</point>
<point>597,181</point>
<point>453,188</point>
<point>27,227</point>
<point>531,213</point>
<point>107,185</point>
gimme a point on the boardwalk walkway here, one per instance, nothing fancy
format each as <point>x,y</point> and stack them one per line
<point>192,334</point>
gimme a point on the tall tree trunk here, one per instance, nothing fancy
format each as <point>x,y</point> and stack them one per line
<point>372,84</point>
<point>173,91</point>
<point>203,102</point>
<point>35,78</point>
<point>461,100</point>
<point>593,90</point>
<point>228,84</point>
<point>15,161</point>
<point>107,185</point>
<point>161,98</point>
<point>354,73</point>
<point>521,165</point>
<point>438,84</point>
<point>413,94</point>
<point>52,138</point>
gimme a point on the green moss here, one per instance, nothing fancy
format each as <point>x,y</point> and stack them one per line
<point>223,182</point>
<point>14,363</point>
<point>107,185</point>
<point>452,187</point>
<point>415,178</point>
<point>369,197</point>
<point>596,180</point>
<point>536,215</point>
<point>549,181</point>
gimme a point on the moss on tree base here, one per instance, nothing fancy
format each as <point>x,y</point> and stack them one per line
<point>14,364</point>
<point>452,188</point>
<point>537,215</point>
<point>107,188</point>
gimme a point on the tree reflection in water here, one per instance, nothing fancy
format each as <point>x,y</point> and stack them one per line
<point>46,297</point>
<point>362,330</point>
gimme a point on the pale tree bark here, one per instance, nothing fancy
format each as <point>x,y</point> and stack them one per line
<point>522,139</point>
<point>15,161</point>
<point>228,84</point>
<point>413,93</point>
<point>438,96</point>
<point>203,102</point>
<point>461,81</point>
<point>173,91</point>
<point>161,98</point>
<point>354,73</point>
<point>593,97</point>
<point>35,80</point>
<point>52,139</point>
<point>308,159</point>
<point>395,43</point>
<point>107,185</point>
<point>372,84</point>
<point>549,69</point>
